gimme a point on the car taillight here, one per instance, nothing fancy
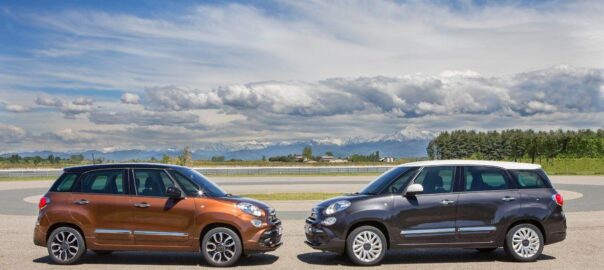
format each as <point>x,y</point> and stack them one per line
<point>44,201</point>
<point>558,199</point>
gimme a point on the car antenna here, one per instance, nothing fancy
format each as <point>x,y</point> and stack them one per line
<point>92,158</point>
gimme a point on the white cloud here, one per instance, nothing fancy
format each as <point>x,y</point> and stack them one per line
<point>83,101</point>
<point>70,110</point>
<point>130,98</point>
<point>45,101</point>
<point>16,108</point>
<point>11,134</point>
<point>542,91</point>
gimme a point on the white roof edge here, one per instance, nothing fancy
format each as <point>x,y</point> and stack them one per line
<point>501,164</point>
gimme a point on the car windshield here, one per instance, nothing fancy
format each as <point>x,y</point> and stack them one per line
<point>377,185</point>
<point>209,187</point>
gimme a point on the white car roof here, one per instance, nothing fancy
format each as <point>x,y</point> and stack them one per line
<point>500,164</point>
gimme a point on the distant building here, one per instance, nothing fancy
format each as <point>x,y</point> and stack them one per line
<point>300,158</point>
<point>387,159</point>
<point>326,158</point>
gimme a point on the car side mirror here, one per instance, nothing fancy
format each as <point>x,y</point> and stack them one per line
<point>414,189</point>
<point>174,193</point>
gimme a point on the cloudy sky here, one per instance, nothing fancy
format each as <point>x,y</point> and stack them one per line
<point>159,74</point>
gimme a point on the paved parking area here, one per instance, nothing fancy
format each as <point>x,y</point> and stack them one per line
<point>583,249</point>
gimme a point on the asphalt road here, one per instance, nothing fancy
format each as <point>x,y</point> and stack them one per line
<point>583,249</point>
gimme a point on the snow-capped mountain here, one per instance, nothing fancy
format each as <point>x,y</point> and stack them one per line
<point>408,142</point>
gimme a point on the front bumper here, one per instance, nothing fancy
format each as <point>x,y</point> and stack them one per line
<point>324,238</point>
<point>267,239</point>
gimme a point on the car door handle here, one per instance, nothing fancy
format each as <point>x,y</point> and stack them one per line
<point>81,202</point>
<point>508,199</point>
<point>447,202</point>
<point>142,205</point>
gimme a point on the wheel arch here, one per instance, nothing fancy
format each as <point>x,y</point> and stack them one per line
<point>214,225</point>
<point>531,221</point>
<point>54,226</point>
<point>373,223</point>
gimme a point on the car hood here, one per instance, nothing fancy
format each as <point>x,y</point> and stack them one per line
<point>348,197</point>
<point>238,199</point>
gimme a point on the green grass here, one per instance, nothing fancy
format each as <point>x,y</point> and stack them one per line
<point>297,196</point>
<point>572,166</point>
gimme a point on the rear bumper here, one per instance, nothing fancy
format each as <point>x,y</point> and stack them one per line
<point>556,228</point>
<point>40,230</point>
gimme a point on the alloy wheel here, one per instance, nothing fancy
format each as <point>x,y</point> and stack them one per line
<point>367,246</point>
<point>64,246</point>
<point>221,247</point>
<point>525,242</point>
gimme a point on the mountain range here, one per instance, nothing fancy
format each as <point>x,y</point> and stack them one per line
<point>405,143</point>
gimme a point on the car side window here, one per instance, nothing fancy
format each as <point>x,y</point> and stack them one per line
<point>436,179</point>
<point>190,188</point>
<point>528,179</point>
<point>398,185</point>
<point>152,182</point>
<point>479,178</point>
<point>65,183</point>
<point>103,182</point>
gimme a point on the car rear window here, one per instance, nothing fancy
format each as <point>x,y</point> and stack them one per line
<point>529,179</point>
<point>65,182</point>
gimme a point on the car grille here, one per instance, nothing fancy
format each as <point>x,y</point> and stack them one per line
<point>272,216</point>
<point>314,215</point>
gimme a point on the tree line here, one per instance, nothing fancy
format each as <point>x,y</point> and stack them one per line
<point>516,144</point>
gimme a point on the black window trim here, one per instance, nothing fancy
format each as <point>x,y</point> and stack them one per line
<point>134,187</point>
<point>506,174</point>
<point>539,172</point>
<point>199,188</point>
<point>77,187</point>
<point>453,181</point>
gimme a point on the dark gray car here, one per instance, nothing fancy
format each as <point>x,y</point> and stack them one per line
<point>457,204</point>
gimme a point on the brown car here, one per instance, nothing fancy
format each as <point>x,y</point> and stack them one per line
<point>118,207</point>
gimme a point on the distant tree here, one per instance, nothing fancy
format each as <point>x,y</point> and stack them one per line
<point>37,160</point>
<point>76,158</point>
<point>517,144</point>
<point>329,153</point>
<point>307,152</point>
<point>153,160</point>
<point>165,159</point>
<point>263,158</point>
<point>51,159</point>
<point>185,157</point>
<point>218,159</point>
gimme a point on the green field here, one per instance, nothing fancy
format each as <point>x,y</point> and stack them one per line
<point>567,166</point>
<point>578,166</point>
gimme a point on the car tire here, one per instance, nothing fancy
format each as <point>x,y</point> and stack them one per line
<point>102,252</point>
<point>65,246</point>
<point>366,246</point>
<point>486,250</point>
<point>524,243</point>
<point>221,247</point>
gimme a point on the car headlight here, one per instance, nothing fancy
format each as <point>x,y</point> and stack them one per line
<point>250,209</point>
<point>336,207</point>
<point>329,221</point>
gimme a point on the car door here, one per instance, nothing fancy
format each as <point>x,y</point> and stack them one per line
<point>158,219</point>
<point>102,206</point>
<point>488,200</point>
<point>428,218</point>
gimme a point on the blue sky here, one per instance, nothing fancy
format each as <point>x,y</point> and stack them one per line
<point>139,74</point>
